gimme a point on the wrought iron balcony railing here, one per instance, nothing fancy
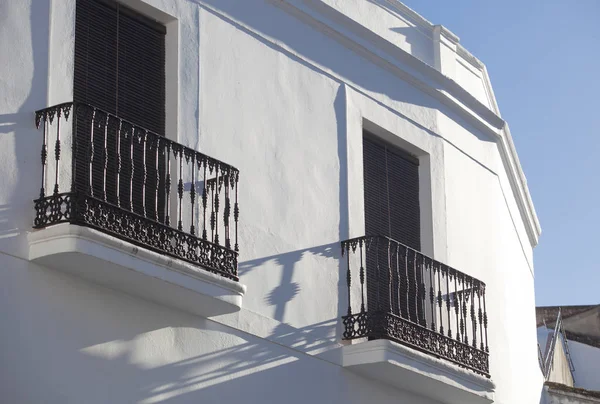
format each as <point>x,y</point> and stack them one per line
<point>109,174</point>
<point>414,300</point>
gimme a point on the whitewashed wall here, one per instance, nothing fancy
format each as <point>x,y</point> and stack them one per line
<point>267,87</point>
<point>72,342</point>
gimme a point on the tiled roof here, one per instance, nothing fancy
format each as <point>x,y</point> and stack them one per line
<point>574,390</point>
<point>548,314</point>
<point>580,323</point>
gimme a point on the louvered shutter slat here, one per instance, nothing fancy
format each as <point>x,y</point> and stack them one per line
<point>120,68</point>
<point>391,193</point>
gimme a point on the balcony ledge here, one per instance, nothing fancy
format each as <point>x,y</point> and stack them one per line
<point>117,264</point>
<point>417,372</point>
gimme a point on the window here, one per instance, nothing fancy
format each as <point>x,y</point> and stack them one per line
<point>391,187</point>
<point>120,68</point>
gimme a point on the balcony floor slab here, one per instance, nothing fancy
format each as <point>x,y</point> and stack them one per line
<point>422,374</point>
<point>120,265</point>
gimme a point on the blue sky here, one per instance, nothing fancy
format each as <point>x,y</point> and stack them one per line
<point>543,58</point>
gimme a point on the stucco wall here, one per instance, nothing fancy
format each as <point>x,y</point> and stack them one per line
<point>72,342</point>
<point>477,218</point>
<point>269,90</point>
<point>24,35</point>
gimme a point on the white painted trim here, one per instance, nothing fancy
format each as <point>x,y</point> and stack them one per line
<point>427,203</point>
<point>469,67</point>
<point>446,34</point>
<point>409,13</point>
<point>468,56</point>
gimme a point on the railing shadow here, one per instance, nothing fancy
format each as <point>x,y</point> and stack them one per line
<point>245,371</point>
<point>285,292</point>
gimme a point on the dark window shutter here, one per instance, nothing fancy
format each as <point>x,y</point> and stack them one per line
<point>95,69</point>
<point>141,72</point>
<point>391,192</point>
<point>120,63</point>
<point>120,68</point>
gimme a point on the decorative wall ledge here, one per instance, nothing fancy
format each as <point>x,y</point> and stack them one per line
<point>120,265</point>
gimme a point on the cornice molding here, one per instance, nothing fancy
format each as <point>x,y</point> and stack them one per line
<point>429,80</point>
<point>468,56</point>
<point>409,13</point>
<point>447,34</point>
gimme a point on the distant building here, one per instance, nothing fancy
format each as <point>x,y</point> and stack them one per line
<point>569,351</point>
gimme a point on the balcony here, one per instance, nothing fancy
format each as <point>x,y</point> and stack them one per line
<point>127,208</point>
<point>417,323</point>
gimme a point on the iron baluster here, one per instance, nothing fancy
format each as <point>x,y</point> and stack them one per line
<point>460,306</point>
<point>473,319</point>
<point>423,291</point>
<point>416,288</point>
<point>168,185</point>
<point>378,275</point>
<point>92,154</point>
<point>57,150</point>
<point>448,299</point>
<point>144,172</point>
<point>362,278</point>
<point>212,210</point>
<point>193,195</point>
<point>390,280</point>
<point>180,189</point>
<point>398,289</point>
<point>74,147</point>
<point>132,165</point>
<point>456,305</point>
<point>198,169</point>
<point>432,294</point>
<point>44,155</point>
<point>236,211</point>
<point>439,297</point>
<point>105,157</point>
<point>406,283</point>
<point>156,170</point>
<point>216,193</point>
<point>204,200</point>
<point>464,332</point>
<point>480,316</point>
<point>118,163</point>
<point>226,211</point>
<point>349,280</point>
<point>485,322</point>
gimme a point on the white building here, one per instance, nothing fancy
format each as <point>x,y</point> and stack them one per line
<point>569,349</point>
<point>122,282</point>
